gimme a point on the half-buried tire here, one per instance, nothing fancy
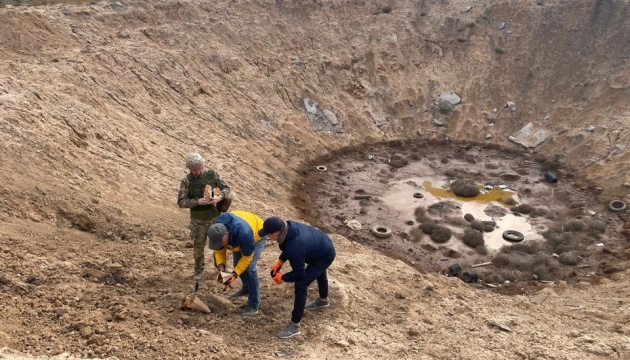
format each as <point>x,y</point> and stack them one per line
<point>381,231</point>
<point>617,205</point>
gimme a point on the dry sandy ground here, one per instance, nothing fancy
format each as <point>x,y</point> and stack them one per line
<point>99,103</point>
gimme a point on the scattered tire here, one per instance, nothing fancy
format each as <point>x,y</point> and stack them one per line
<point>454,270</point>
<point>418,195</point>
<point>617,205</point>
<point>513,236</point>
<point>470,277</point>
<point>321,168</point>
<point>381,231</point>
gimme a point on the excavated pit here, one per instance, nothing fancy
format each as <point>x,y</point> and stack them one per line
<point>407,189</point>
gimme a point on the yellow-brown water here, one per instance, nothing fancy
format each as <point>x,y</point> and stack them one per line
<point>496,194</point>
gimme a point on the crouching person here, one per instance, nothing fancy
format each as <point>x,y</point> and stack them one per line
<point>238,232</point>
<point>310,252</point>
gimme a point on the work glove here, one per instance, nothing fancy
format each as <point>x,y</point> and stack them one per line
<point>229,281</point>
<point>276,267</point>
<point>277,278</point>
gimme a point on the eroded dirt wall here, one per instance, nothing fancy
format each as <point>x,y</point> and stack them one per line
<point>96,94</point>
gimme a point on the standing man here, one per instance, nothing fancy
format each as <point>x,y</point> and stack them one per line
<point>310,252</point>
<point>203,210</point>
<point>238,232</point>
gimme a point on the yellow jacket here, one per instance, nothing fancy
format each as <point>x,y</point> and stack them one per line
<point>255,223</point>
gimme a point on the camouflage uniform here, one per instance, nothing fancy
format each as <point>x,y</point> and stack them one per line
<point>201,216</point>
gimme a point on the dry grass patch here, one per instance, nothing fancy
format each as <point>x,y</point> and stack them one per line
<point>473,238</point>
<point>538,212</point>
<point>523,209</point>
<point>441,234</point>
<point>451,173</point>
<point>485,226</point>
<point>501,260</point>
<point>528,247</point>
<point>510,275</point>
<point>421,214</point>
<point>598,225</point>
<point>481,250</point>
<point>492,278</point>
<point>570,258</point>
<point>510,201</point>
<point>566,241</point>
<point>465,187</point>
<point>416,235</point>
<point>427,228</point>
<point>574,225</point>
<point>397,161</point>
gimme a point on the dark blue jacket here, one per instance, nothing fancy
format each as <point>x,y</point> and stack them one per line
<point>304,245</point>
<point>241,234</point>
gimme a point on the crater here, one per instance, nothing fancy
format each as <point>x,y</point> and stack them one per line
<point>543,211</point>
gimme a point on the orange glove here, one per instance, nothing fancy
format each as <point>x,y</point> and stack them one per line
<point>277,278</point>
<point>276,267</point>
<point>229,281</point>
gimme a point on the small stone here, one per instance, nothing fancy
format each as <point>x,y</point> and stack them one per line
<point>342,343</point>
<point>590,128</point>
<point>574,333</point>
<point>86,332</point>
<point>467,9</point>
<point>491,118</point>
<point>488,137</point>
<point>511,105</point>
<point>429,287</point>
<point>588,339</point>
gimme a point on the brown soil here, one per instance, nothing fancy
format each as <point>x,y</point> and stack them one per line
<point>100,102</point>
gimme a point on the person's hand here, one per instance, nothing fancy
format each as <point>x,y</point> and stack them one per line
<point>228,282</point>
<point>276,267</point>
<point>215,200</point>
<point>203,201</point>
<point>277,278</point>
<point>231,279</point>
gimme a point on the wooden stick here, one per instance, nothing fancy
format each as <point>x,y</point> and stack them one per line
<point>482,264</point>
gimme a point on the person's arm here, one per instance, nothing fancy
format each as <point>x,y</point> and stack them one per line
<point>220,257</point>
<point>298,271</point>
<point>245,240</point>
<point>182,196</point>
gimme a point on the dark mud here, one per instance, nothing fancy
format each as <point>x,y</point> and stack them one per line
<point>526,202</point>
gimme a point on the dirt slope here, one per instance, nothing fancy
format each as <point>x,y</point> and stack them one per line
<point>99,103</point>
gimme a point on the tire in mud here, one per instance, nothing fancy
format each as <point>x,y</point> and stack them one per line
<point>513,236</point>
